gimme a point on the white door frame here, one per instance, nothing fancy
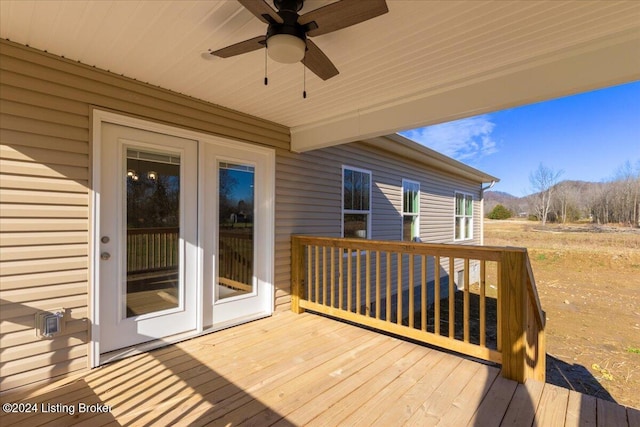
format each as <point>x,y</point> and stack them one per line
<point>98,118</point>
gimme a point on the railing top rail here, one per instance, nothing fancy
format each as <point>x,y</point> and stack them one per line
<point>488,253</point>
<point>238,234</point>
<point>151,230</point>
<point>533,295</point>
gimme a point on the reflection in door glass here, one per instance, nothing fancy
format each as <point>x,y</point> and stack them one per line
<point>153,232</point>
<point>235,229</point>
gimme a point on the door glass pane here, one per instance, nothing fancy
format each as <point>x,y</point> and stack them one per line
<point>235,229</point>
<point>153,232</point>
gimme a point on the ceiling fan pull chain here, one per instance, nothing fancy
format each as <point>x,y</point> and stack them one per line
<point>304,82</point>
<point>266,79</point>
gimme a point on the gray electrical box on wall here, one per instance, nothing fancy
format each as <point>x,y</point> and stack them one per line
<point>49,323</point>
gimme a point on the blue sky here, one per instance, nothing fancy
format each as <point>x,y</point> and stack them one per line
<point>589,136</point>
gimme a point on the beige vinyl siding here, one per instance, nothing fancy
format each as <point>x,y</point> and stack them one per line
<point>45,170</point>
<point>306,186</point>
<point>308,200</point>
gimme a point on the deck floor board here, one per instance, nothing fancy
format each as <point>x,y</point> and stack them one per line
<point>552,410</point>
<point>292,370</point>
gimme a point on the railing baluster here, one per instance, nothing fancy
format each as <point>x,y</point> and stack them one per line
<point>436,294</point>
<point>349,279</point>
<point>452,298</point>
<point>411,291</point>
<point>423,293</point>
<point>324,275</point>
<point>160,251</point>
<point>483,307</point>
<point>332,283</point>
<point>378,280</point>
<point>152,251</point>
<point>399,289</point>
<point>316,297</point>
<point>388,299</point>
<point>140,251</point>
<point>341,278</point>
<point>145,251</point>
<point>465,303</point>
<point>309,272</point>
<point>358,306</point>
<point>367,293</point>
<point>237,270</point>
<point>498,305</point>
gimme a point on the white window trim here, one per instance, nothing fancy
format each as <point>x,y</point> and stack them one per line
<point>352,211</point>
<point>455,216</point>
<point>417,215</point>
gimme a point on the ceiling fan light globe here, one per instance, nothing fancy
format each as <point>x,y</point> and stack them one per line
<point>286,48</point>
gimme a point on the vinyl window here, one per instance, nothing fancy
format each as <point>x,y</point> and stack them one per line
<point>356,203</point>
<point>410,210</point>
<point>464,217</point>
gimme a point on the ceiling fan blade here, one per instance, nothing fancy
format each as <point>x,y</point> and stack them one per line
<point>260,8</point>
<point>342,14</point>
<point>242,47</point>
<point>316,61</point>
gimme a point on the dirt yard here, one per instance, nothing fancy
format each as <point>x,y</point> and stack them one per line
<point>588,278</point>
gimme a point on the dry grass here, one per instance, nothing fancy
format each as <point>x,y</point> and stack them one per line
<point>589,283</point>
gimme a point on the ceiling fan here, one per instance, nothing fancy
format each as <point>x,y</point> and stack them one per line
<point>287,34</point>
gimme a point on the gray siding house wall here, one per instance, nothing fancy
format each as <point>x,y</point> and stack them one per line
<point>45,195</point>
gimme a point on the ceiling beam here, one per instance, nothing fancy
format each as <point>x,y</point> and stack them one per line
<point>582,68</point>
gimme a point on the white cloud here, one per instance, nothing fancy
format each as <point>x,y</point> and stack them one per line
<point>465,140</point>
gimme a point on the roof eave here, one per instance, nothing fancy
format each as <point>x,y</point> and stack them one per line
<point>407,148</point>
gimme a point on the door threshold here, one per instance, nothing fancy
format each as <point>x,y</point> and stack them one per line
<point>123,353</point>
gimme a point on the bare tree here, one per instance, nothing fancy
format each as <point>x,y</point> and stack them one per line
<point>566,201</point>
<point>543,181</point>
<point>626,194</point>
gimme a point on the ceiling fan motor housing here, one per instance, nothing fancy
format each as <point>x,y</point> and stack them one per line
<point>280,45</point>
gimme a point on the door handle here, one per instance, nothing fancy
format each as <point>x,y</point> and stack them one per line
<point>105,255</point>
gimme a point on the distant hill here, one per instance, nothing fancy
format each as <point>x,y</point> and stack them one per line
<point>511,202</point>
<point>580,191</point>
<point>498,196</point>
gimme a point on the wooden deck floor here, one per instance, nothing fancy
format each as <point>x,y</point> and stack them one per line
<point>307,370</point>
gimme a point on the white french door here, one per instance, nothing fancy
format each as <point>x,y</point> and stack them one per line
<point>148,236</point>
<point>184,234</point>
<point>238,233</point>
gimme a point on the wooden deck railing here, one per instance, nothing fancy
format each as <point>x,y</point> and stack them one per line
<point>151,249</point>
<point>476,300</point>
<point>154,249</point>
<point>235,258</point>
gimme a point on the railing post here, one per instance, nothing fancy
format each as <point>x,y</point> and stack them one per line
<point>297,274</point>
<point>537,320</point>
<point>513,308</point>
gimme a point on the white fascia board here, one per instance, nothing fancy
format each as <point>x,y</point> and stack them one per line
<point>588,67</point>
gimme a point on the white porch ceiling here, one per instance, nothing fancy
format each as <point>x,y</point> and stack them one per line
<point>423,63</point>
